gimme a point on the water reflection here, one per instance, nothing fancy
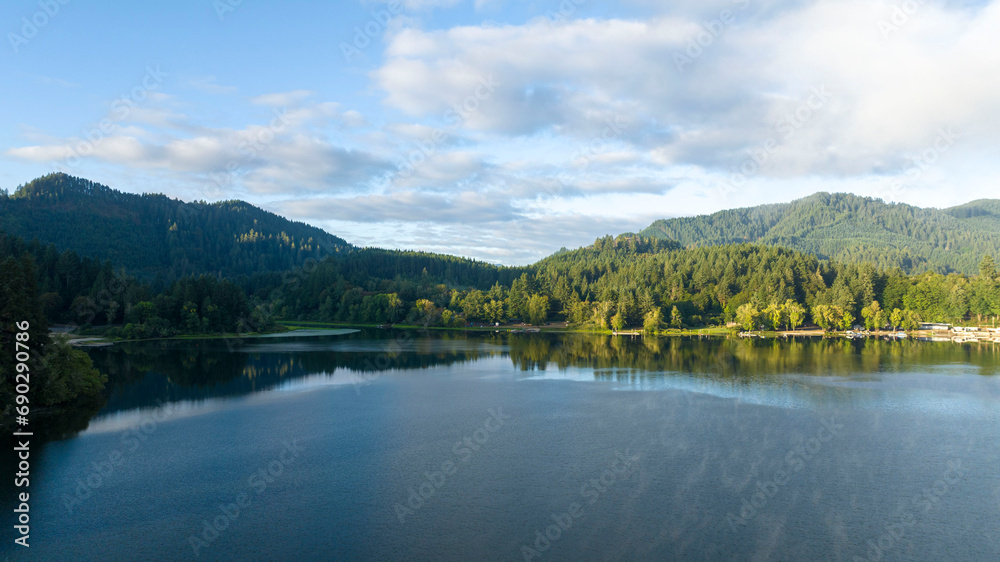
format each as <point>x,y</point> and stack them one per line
<point>143,375</point>
<point>746,359</point>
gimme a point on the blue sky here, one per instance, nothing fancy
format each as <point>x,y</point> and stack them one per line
<point>504,130</point>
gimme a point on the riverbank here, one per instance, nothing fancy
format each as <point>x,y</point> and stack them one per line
<point>90,340</point>
<point>287,329</point>
<point>550,327</point>
<point>715,331</point>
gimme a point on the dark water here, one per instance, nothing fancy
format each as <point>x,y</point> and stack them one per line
<point>409,446</point>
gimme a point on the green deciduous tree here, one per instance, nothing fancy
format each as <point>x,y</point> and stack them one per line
<point>69,375</point>
<point>494,312</point>
<point>618,321</point>
<point>748,316</point>
<point>795,313</point>
<point>653,321</point>
<point>774,315</point>
<point>874,316</point>
<point>538,309</point>
<point>896,318</point>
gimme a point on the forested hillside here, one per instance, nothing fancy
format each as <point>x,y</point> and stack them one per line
<point>375,286</point>
<point>153,234</point>
<point>852,229</point>
<point>631,281</point>
<point>66,288</point>
<point>50,372</point>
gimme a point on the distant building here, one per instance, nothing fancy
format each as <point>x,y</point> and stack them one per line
<point>935,326</point>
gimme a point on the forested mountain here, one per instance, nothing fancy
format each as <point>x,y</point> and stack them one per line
<point>153,234</point>
<point>852,229</point>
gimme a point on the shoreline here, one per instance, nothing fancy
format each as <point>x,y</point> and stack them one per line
<point>87,341</point>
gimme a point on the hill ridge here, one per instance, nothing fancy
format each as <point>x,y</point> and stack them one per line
<point>853,229</point>
<point>152,233</point>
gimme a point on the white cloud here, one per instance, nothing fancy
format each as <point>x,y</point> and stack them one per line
<point>404,206</point>
<point>210,85</point>
<point>889,95</point>
<point>57,82</point>
<point>418,5</point>
<point>517,241</point>
<point>283,98</point>
<point>286,151</point>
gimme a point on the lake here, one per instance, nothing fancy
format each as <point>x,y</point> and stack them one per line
<point>407,445</point>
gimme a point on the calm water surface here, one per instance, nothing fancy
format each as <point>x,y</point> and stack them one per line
<point>380,445</point>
